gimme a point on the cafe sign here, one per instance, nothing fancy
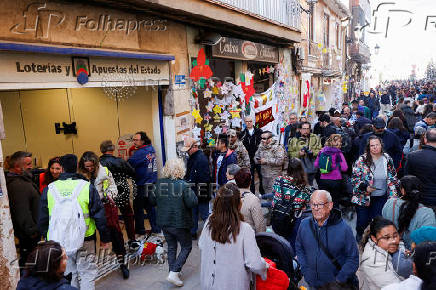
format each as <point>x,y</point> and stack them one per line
<point>245,50</point>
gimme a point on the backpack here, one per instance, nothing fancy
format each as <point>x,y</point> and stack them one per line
<point>283,216</point>
<point>325,163</point>
<point>67,223</point>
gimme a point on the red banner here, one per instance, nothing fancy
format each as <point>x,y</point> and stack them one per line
<point>263,118</point>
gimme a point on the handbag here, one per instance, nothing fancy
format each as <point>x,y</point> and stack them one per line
<point>308,163</point>
<point>352,282</point>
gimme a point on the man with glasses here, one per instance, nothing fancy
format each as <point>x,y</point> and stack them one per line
<point>271,155</point>
<point>291,129</point>
<point>251,137</point>
<point>306,147</point>
<point>197,172</point>
<point>325,246</point>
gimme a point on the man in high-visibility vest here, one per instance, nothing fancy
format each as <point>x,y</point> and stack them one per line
<point>83,263</point>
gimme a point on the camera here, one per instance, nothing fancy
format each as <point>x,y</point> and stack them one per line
<point>306,150</point>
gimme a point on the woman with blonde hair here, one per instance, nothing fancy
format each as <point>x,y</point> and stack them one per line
<point>174,199</point>
<point>331,163</point>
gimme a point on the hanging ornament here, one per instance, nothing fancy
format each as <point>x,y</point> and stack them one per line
<point>208,127</point>
<point>217,130</point>
<point>225,115</point>
<point>217,109</point>
<point>201,69</point>
<point>207,94</point>
<point>119,86</point>
<point>199,120</point>
<point>206,117</point>
<point>196,132</point>
<point>211,142</point>
<point>196,113</point>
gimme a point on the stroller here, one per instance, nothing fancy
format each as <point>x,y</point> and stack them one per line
<point>278,249</point>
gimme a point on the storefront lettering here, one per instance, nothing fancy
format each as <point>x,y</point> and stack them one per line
<point>228,47</point>
<point>95,69</point>
<point>107,23</point>
<point>246,50</point>
<point>38,68</point>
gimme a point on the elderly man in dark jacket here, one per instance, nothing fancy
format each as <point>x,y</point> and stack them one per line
<point>251,138</point>
<point>23,202</point>
<point>391,142</point>
<point>422,164</point>
<point>325,245</point>
<point>197,172</point>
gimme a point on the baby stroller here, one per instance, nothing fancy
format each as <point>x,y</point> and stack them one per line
<point>278,249</point>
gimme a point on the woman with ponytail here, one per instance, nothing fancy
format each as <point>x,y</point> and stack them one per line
<point>407,213</point>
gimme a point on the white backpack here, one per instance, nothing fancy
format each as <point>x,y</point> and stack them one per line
<point>67,223</point>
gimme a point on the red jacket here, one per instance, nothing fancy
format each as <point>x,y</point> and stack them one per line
<point>276,279</point>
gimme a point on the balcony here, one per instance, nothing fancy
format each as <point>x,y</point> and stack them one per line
<point>359,52</point>
<point>281,12</point>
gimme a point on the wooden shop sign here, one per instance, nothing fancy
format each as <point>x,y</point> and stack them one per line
<point>245,50</point>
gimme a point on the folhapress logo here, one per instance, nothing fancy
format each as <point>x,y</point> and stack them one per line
<point>38,20</point>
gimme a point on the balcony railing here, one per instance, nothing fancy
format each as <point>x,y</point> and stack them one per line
<point>282,12</point>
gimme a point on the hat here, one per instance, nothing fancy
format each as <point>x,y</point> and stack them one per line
<point>379,123</point>
<point>188,143</point>
<point>231,132</point>
<point>423,234</point>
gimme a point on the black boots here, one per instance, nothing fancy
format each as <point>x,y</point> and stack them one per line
<point>125,271</point>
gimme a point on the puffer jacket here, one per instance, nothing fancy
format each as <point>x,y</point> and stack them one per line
<point>275,157</point>
<point>363,177</point>
<point>313,143</point>
<point>241,154</point>
<point>377,268</point>
<point>174,199</point>
<point>24,201</point>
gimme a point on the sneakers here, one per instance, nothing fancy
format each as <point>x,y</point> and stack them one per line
<point>174,278</point>
<point>133,245</point>
<point>125,271</point>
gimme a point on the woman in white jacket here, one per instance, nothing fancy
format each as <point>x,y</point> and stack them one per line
<point>379,244</point>
<point>229,253</point>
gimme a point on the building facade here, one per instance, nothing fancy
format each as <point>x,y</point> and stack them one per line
<point>322,53</point>
<point>77,73</point>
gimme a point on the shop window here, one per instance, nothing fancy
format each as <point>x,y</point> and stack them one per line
<point>263,75</point>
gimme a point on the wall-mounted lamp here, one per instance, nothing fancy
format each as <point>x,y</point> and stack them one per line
<point>376,49</point>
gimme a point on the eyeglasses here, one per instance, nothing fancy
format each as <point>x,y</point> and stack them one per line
<point>318,205</point>
<point>266,138</point>
<point>387,238</point>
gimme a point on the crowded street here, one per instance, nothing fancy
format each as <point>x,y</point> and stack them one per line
<point>218,145</point>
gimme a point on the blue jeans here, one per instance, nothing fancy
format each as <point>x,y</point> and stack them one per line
<point>139,204</point>
<point>366,213</point>
<point>203,210</point>
<point>182,236</point>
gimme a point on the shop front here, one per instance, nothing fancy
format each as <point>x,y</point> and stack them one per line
<point>75,75</point>
<point>49,113</point>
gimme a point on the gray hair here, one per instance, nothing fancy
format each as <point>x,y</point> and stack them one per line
<point>18,157</point>
<point>174,169</point>
<point>326,194</point>
<point>232,169</point>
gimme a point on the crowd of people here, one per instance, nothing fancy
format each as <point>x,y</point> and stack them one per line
<point>375,156</point>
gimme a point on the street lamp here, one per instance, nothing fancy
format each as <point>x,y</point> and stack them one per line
<point>376,49</point>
